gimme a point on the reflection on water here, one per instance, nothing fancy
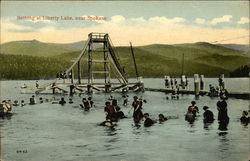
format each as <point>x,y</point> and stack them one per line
<point>207,126</point>
<point>223,126</point>
<point>224,145</point>
<point>110,131</point>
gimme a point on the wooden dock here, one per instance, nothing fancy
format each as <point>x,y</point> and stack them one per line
<point>240,95</point>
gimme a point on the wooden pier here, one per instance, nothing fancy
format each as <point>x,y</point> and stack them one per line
<point>240,95</point>
<point>101,62</point>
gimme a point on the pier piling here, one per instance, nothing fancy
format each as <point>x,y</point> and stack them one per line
<point>202,84</point>
<point>196,84</point>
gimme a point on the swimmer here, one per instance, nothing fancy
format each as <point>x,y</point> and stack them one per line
<point>244,119</point>
<point>41,100</point>
<point>22,103</point>
<point>162,118</point>
<point>108,123</point>
<point>62,101</point>
<point>148,121</point>
<point>119,114</point>
<point>70,101</point>
<point>16,103</point>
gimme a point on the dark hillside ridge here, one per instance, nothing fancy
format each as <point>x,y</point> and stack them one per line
<point>154,60</point>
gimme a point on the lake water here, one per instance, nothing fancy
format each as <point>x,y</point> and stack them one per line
<point>51,132</point>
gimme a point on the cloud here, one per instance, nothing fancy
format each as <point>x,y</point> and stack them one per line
<point>200,21</point>
<point>117,19</point>
<point>164,20</point>
<point>243,20</point>
<point>138,30</point>
<point>225,18</point>
<point>8,26</point>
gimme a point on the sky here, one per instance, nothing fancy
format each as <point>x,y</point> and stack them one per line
<point>139,22</point>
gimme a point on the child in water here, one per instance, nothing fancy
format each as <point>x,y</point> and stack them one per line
<point>244,119</point>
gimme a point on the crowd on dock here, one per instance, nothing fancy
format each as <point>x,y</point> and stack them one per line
<point>172,83</point>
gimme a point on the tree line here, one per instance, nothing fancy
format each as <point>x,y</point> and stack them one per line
<point>30,67</point>
<point>242,71</point>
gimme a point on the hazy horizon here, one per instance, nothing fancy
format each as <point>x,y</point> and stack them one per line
<point>120,45</point>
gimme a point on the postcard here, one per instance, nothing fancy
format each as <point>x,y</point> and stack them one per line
<point>124,81</point>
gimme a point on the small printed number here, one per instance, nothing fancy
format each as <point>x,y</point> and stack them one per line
<point>22,151</point>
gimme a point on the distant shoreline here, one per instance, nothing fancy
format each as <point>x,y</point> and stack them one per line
<point>111,78</point>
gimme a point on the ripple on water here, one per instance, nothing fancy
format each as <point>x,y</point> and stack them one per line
<point>82,146</point>
<point>67,132</point>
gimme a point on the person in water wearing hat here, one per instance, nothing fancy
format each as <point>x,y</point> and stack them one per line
<point>223,118</point>
<point>137,106</point>
<point>208,115</point>
<point>244,119</point>
<point>148,121</point>
<point>222,110</point>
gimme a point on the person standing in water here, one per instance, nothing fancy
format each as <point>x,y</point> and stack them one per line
<point>86,104</point>
<point>110,112</point>
<point>91,103</point>
<point>37,85</point>
<point>190,116</point>
<point>222,110</point>
<point>125,101</point>
<point>194,109</point>
<point>137,106</point>
<point>32,100</point>
<point>208,115</point>
<point>223,118</point>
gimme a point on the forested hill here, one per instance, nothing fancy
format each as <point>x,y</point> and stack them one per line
<point>36,48</point>
<point>34,59</point>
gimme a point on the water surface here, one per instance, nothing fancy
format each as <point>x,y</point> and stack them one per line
<point>51,132</point>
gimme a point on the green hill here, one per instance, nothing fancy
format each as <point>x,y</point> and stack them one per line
<point>243,48</point>
<point>153,65</point>
<point>157,65</point>
<point>30,67</point>
<point>154,60</point>
<point>190,51</point>
<point>35,48</point>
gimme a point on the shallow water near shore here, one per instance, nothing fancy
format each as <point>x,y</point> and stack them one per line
<point>46,132</point>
